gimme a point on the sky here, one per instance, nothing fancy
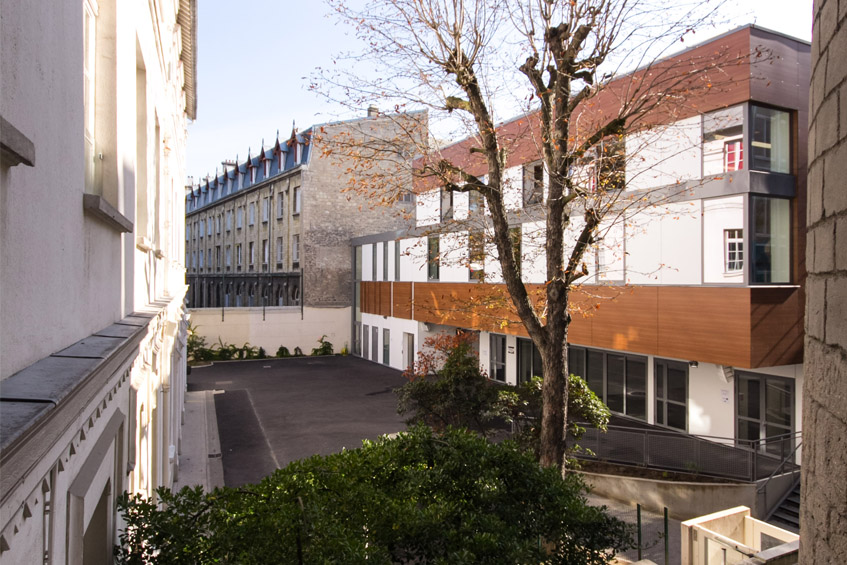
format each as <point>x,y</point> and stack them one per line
<point>255,57</point>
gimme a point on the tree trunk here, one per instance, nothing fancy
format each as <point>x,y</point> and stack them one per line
<point>554,391</point>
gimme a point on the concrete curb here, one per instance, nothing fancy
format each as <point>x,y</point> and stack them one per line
<point>200,462</point>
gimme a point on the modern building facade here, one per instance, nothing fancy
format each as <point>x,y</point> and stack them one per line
<point>691,315</point>
<point>95,98</point>
<point>268,240</point>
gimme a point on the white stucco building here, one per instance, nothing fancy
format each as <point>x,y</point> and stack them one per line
<point>95,98</point>
<point>691,315</point>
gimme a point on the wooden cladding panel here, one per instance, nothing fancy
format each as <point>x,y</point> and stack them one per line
<point>403,300</point>
<point>740,326</point>
<point>776,319</point>
<point>707,324</point>
<point>383,300</point>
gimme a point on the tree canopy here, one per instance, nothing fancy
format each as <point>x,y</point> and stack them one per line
<point>420,497</point>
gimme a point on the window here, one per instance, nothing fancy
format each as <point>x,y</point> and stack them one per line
<point>187,232</point>
<point>251,217</point>
<point>229,220</point>
<point>386,346</point>
<point>533,183</point>
<point>770,139</point>
<point>228,256</point>
<point>265,253</point>
<point>218,224</point>
<point>365,341</point>
<point>373,261</point>
<point>765,413</point>
<point>218,257</point>
<point>733,241</point>
<point>89,36</point>
<point>202,255</point>
<point>619,380</point>
<point>397,260</point>
<point>529,361</point>
<point>280,252</point>
<point>267,170</point>
<point>374,343</point>
<point>295,251</point>
<point>476,255</point>
<point>771,237</point>
<point>209,227</point>
<point>475,202</point>
<point>432,258</point>
<point>672,394</point>
<point>266,208</point>
<point>239,217</point>
<point>202,226</point>
<point>251,254</point>
<point>497,366</point>
<point>385,260</point>
<point>280,207</point>
<point>723,146</point>
<point>296,201</point>
<point>238,255</point>
<point>446,204</point>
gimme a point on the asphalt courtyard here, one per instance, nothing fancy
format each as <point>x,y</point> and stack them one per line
<point>274,411</point>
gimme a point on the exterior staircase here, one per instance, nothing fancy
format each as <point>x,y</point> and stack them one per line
<point>787,513</point>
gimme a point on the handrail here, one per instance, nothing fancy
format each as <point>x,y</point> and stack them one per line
<point>785,459</point>
<point>651,430</point>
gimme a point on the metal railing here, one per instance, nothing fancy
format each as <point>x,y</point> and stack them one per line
<point>675,451</point>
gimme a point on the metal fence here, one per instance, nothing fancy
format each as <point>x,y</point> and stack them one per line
<point>674,451</point>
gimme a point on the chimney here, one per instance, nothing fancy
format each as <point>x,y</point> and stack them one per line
<point>373,111</point>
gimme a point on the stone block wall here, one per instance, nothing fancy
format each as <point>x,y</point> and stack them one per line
<point>823,528</point>
<point>333,215</point>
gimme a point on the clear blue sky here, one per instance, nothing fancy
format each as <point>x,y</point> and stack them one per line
<point>255,57</point>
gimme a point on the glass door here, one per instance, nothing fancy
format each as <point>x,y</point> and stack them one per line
<point>765,413</point>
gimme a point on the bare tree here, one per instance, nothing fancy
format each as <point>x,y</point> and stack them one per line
<point>583,74</point>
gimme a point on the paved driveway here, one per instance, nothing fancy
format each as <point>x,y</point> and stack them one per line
<point>275,411</point>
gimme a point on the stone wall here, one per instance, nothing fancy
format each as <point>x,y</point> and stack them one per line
<point>333,215</point>
<point>824,492</point>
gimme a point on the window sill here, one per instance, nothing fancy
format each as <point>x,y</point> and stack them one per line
<point>15,147</point>
<point>98,207</point>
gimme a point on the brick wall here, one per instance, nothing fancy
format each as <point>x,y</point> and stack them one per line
<point>824,492</point>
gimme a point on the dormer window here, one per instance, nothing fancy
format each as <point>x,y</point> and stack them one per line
<point>267,168</point>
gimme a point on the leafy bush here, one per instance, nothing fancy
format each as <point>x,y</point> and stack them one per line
<point>421,497</point>
<point>262,353</point>
<point>298,352</point>
<point>345,350</point>
<point>283,352</point>
<point>195,345</point>
<point>456,394</point>
<point>447,388</point>
<point>324,347</point>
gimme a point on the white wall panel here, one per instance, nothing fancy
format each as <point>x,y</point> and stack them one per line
<point>720,214</point>
<point>412,259</point>
<point>664,155</point>
<point>454,257</point>
<point>513,188</point>
<point>428,208</point>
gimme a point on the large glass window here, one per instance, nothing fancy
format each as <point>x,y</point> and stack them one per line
<point>771,231</point>
<point>765,413</point>
<point>620,380</point>
<point>672,394</point>
<point>497,366</point>
<point>365,341</point>
<point>770,138</point>
<point>529,361</point>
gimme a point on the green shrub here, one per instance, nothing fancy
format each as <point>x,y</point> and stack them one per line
<point>283,352</point>
<point>420,497</point>
<point>297,352</point>
<point>324,347</point>
<point>262,354</point>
